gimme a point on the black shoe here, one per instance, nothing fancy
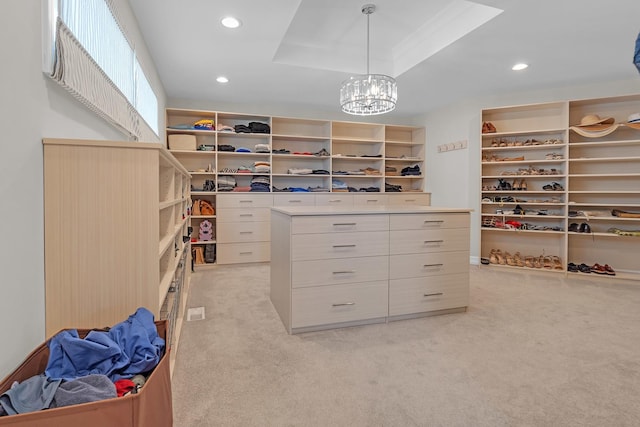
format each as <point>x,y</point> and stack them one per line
<point>574,227</point>
<point>584,268</point>
<point>572,268</point>
<point>585,228</point>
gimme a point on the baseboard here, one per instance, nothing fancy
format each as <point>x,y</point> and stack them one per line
<point>474,260</point>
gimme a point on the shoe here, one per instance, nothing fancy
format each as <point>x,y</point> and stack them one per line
<point>557,262</point>
<point>493,257</point>
<point>538,262</point>
<point>574,227</point>
<point>518,210</point>
<point>573,268</point>
<point>489,222</point>
<point>523,185</point>
<point>584,268</point>
<point>609,270</point>
<point>598,269</point>
<point>518,259</point>
<point>556,186</point>
<point>528,261</point>
<point>503,185</point>
<point>585,228</point>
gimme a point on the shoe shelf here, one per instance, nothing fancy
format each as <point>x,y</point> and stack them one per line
<point>597,174</point>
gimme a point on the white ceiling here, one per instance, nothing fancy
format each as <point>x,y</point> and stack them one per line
<point>297,52</point>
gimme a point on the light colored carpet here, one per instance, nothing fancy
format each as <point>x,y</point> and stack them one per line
<point>533,349</point>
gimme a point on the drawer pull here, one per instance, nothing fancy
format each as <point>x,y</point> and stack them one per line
<point>246,214</point>
<point>372,200</point>
<point>246,232</point>
<point>295,201</point>
<point>335,201</point>
<point>343,303</point>
<point>433,265</point>
<point>341,224</point>
<point>433,241</point>
<point>409,200</point>
<point>344,272</point>
<point>434,295</point>
<point>246,253</point>
<point>246,201</point>
<point>427,221</point>
<point>344,246</point>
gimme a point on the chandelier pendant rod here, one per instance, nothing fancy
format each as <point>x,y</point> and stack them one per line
<point>368,16</point>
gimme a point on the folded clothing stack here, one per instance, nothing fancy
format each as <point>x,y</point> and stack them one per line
<point>411,170</point>
<point>260,183</point>
<point>262,148</point>
<point>390,188</point>
<point>338,185</point>
<point>226,183</point>
<point>262,167</point>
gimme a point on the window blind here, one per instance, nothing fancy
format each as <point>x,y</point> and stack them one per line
<point>96,63</point>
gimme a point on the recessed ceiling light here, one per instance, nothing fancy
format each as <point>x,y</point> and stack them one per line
<point>520,66</point>
<point>230,22</point>
<point>222,79</point>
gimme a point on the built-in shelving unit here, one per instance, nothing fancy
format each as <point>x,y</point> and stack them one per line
<point>115,226</point>
<point>569,180</point>
<point>304,155</point>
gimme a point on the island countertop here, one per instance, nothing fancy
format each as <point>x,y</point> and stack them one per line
<point>364,210</point>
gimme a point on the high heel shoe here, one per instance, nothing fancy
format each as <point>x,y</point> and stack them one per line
<point>493,258</point>
<point>523,185</point>
<point>500,256</point>
<point>515,185</point>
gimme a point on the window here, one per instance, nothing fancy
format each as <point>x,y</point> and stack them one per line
<point>94,60</point>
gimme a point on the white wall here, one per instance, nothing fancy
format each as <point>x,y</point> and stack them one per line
<point>32,107</point>
<point>453,178</point>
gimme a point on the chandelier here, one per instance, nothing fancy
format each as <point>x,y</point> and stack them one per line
<point>368,94</point>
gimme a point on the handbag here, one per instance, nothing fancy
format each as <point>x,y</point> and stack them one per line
<point>206,208</point>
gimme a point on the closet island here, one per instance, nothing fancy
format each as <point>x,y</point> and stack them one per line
<point>337,266</point>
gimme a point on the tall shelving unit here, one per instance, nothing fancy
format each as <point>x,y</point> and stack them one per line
<point>570,179</point>
<point>604,175</point>
<point>303,154</point>
<point>115,218</point>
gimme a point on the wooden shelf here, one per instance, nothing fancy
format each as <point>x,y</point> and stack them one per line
<point>600,173</point>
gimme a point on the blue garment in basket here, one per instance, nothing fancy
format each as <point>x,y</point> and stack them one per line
<point>131,347</point>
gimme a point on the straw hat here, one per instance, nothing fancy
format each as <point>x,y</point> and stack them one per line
<point>594,119</point>
<point>592,126</point>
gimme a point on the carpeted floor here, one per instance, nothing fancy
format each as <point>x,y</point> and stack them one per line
<point>533,349</point>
